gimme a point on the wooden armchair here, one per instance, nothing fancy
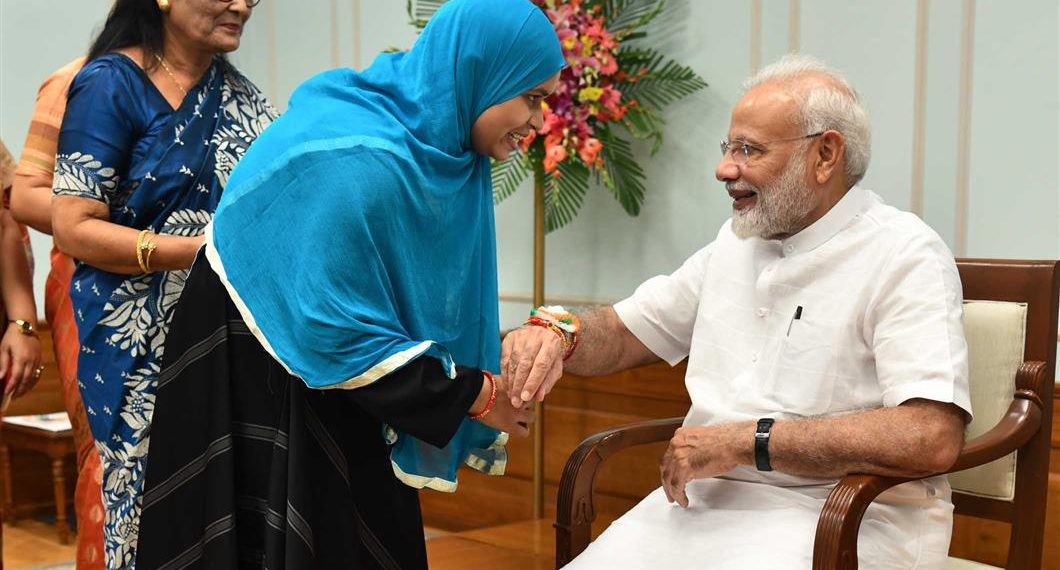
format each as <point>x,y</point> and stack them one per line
<point>1011,324</point>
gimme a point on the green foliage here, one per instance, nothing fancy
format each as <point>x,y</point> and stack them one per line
<point>644,123</point>
<point>508,175</point>
<point>621,174</point>
<point>564,193</point>
<point>422,11</point>
<point>663,82</point>
<point>653,82</point>
<point>625,17</point>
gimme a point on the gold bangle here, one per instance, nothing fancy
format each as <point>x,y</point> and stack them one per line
<point>140,250</point>
<point>143,245</point>
<point>151,247</point>
<point>24,327</point>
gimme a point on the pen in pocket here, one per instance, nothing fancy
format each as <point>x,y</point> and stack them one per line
<point>795,317</point>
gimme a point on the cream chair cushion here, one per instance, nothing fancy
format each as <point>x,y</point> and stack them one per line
<point>995,331</point>
<point>962,564</point>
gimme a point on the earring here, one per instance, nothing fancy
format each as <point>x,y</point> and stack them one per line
<point>163,5</point>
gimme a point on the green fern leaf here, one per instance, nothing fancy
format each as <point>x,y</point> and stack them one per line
<point>564,194</point>
<point>621,173</point>
<point>422,11</point>
<point>626,16</point>
<point>663,81</point>
<point>643,123</point>
<point>508,174</point>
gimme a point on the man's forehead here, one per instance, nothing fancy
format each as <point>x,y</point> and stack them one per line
<point>763,113</point>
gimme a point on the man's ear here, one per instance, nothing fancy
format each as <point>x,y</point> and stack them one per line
<point>828,160</point>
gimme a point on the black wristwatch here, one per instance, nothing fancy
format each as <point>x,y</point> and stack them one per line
<point>24,327</point>
<point>762,444</point>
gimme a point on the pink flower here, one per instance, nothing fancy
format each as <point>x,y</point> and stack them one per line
<point>611,99</point>
<point>608,64</point>
<point>551,121</point>
<point>595,28</point>
<point>567,38</point>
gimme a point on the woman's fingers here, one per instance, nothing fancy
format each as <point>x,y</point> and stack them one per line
<point>30,379</point>
<point>25,376</point>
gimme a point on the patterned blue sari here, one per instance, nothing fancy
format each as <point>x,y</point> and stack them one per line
<point>155,168</point>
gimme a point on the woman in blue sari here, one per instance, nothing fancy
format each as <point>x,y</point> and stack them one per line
<point>154,123</point>
<point>330,356</point>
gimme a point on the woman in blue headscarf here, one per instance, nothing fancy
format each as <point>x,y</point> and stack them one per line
<point>330,352</point>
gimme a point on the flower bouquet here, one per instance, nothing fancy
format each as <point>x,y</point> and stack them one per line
<point>613,89</point>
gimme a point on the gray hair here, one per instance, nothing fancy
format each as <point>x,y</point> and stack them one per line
<point>829,105</point>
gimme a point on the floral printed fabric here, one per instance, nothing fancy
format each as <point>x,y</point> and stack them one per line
<point>155,168</point>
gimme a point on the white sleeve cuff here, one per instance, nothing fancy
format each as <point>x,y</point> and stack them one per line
<point>647,333</point>
<point>934,391</point>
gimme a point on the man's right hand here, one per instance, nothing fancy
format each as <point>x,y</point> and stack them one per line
<point>532,361</point>
<point>532,356</point>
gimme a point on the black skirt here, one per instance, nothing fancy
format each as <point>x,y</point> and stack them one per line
<point>249,468</point>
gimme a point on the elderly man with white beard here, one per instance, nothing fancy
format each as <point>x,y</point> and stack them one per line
<point>823,332</point>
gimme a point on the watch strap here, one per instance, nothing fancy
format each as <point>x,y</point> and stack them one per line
<point>762,444</point>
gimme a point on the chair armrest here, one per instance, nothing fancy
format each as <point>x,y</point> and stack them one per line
<point>836,544</point>
<point>574,505</point>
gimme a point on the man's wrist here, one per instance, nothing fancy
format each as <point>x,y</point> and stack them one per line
<point>763,429</point>
<point>561,322</point>
<point>746,443</point>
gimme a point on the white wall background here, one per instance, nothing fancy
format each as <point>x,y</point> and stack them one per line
<point>963,95</point>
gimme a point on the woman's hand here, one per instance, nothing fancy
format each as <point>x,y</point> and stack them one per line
<point>19,361</point>
<point>502,415</point>
<point>83,230</point>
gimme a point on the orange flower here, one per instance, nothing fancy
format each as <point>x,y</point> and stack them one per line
<point>553,156</point>
<point>528,140</point>
<point>590,152</point>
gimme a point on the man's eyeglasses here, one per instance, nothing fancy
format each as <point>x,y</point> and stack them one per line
<point>742,152</point>
<point>249,3</point>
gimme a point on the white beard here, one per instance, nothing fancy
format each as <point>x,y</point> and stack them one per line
<point>779,206</point>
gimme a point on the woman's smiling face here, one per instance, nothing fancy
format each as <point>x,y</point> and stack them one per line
<point>500,129</point>
<point>208,25</point>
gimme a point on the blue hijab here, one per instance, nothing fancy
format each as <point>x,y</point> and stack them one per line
<point>357,233</point>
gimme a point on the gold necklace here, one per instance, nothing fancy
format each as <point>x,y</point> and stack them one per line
<point>171,76</point>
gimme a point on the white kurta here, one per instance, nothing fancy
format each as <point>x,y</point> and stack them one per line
<point>880,323</point>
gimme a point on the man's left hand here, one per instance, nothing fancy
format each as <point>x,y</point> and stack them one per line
<point>700,452</point>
